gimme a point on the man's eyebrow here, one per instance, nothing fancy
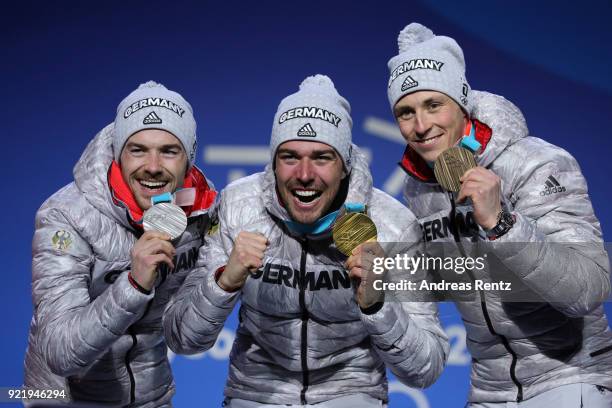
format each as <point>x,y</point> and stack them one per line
<point>144,147</point>
<point>323,151</point>
<point>171,146</point>
<point>135,144</point>
<point>428,101</point>
<point>317,152</point>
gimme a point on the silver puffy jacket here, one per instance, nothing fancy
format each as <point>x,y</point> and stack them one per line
<point>92,333</point>
<point>302,337</point>
<point>554,252</point>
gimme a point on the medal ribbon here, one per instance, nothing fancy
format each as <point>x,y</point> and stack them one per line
<point>323,223</point>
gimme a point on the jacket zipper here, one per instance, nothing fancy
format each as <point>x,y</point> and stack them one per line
<point>129,369</point>
<point>304,327</point>
<point>483,304</point>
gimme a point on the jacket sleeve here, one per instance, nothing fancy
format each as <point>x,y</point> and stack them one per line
<point>555,247</point>
<point>409,339</point>
<point>74,330</point>
<point>407,335</point>
<point>195,316</point>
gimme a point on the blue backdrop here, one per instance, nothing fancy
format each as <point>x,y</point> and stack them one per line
<point>67,65</point>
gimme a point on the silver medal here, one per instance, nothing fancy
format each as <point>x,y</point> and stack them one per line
<point>165,217</point>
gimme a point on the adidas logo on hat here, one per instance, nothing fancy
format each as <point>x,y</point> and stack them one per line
<point>306,131</point>
<point>552,186</point>
<point>408,83</point>
<point>151,118</point>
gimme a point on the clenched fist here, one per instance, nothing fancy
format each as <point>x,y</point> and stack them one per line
<point>484,188</point>
<point>246,257</point>
<point>152,249</point>
<point>360,265</point>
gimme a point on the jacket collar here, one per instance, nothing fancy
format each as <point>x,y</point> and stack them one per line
<point>122,194</point>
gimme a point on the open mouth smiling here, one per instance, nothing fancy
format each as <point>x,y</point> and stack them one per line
<point>428,140</point>
<point>152,185</point>
<point>306,196</point>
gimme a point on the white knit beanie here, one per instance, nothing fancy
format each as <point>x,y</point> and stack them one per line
<point>428,62</point>
<point>315,113</point>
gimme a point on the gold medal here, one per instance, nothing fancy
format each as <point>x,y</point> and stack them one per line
<point>451,164</point>
<point>351,230</point>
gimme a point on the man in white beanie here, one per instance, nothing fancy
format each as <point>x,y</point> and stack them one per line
<point>307,336</point>
<point>105,260</point>
<point>525,204</point>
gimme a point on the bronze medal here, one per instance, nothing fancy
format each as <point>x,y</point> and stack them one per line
<point>351,230</point>
<point>451,164</point>
<point>165,217</point>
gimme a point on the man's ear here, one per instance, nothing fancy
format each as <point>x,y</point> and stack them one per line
<point>466,124</point>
